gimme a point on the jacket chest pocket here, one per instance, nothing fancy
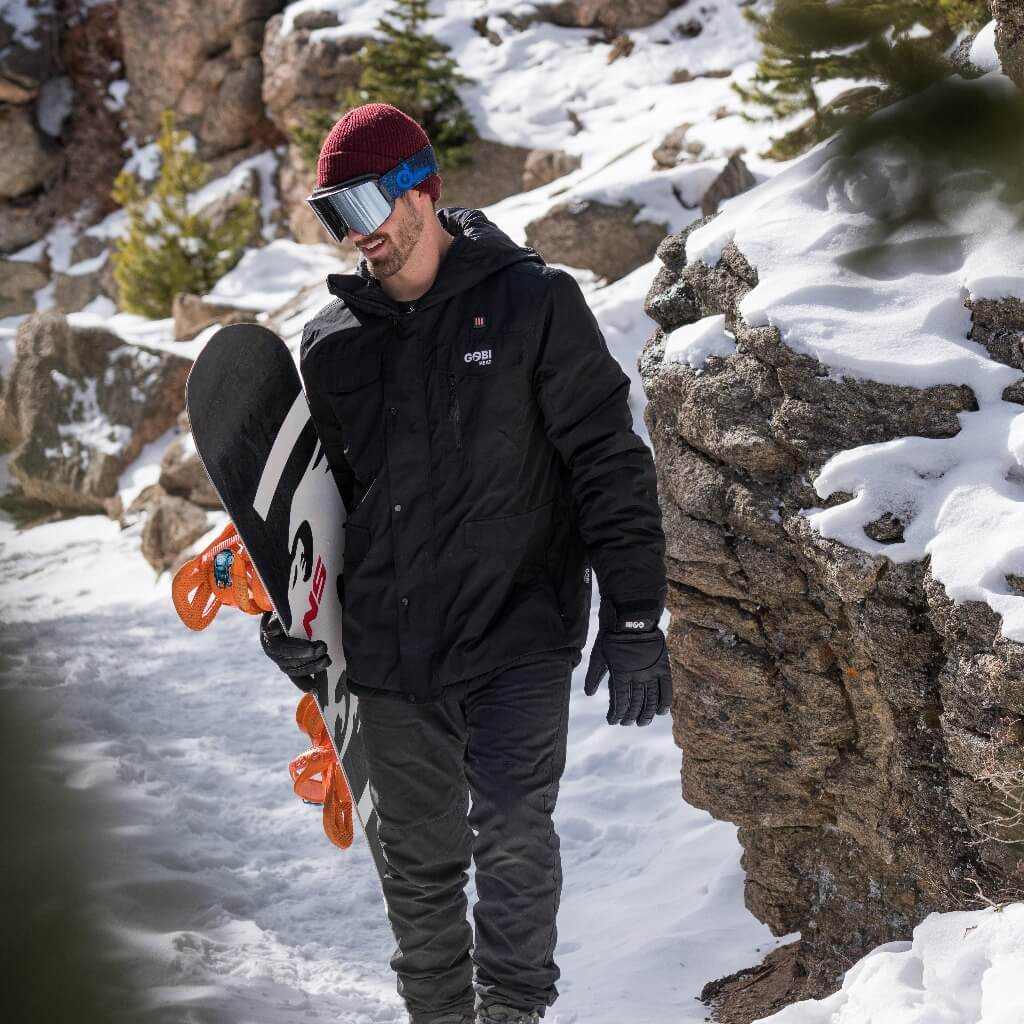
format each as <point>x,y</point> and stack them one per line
<point>357,401</point>
<point>485,385</point>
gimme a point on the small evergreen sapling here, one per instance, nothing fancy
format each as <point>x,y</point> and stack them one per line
<point>169,247</point>
<point>410,70</point>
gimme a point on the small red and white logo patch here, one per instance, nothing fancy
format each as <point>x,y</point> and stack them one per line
<point>479,321</point>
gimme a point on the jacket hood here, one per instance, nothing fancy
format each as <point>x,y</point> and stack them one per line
<point>480,249</point>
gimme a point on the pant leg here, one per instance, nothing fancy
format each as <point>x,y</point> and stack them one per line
<point>415,755</point>
<point>515,757</point>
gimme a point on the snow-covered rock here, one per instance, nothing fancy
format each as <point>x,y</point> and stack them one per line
<point>79,405</point>
<point>842,503</point>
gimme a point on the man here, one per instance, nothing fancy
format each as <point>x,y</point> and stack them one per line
<point>479,432</point>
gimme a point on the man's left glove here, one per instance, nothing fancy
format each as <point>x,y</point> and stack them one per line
<point>298,659</point>
<point>631,647</point>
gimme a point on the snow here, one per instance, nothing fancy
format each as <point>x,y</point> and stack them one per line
<point>960,968</point>
<point>983,50</point>
<point>226,887</point>
<point>24,19</point>
<point>893,311</point>
<point>55,100</point>
<point>267,278</point>
<point>117,94</point>
<point>693,343</point>
<point>145,470</point>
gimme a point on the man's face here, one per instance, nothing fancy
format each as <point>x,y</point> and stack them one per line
<point>397,237</point>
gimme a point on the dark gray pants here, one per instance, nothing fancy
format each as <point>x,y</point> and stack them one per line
<point>500,739</point>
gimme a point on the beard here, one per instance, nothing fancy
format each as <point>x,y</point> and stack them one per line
<point>399,243</point>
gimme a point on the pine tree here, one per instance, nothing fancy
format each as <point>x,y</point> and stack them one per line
<point>900,44</point>
<point>410,70</point>
<point>169,248</point>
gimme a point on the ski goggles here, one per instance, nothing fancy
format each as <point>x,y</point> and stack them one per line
<point>364,203</point>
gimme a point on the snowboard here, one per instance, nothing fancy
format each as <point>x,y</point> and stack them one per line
<point>254,434</point>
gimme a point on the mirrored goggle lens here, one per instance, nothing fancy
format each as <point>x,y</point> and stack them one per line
<point>361,207</point>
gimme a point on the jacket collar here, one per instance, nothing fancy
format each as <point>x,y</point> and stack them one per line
<point>480,249</point>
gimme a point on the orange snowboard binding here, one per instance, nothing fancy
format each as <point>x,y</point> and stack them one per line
<point>223,574</point>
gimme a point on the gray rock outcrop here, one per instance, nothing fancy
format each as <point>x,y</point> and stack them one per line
<point>28,162</point>
<point>862,730</point>
<point>202,59</point>
<point>546,165</point>
<point>182,474</point>
<point>192,314</point>
<point>172,524</point>
<point>597,236</point>
<point>19,282</point>
<point>78,406</point>
<point>607,14</point>
<point>1009,15</point>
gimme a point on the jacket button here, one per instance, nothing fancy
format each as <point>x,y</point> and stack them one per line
<point>405,601</point>
<point>392,411</point>
<point>398,508</point>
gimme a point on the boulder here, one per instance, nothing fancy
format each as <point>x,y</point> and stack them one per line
<point>496,172</point>
<point>23,222</point>
<point>78,406</point>
<point>601,237</point>
<point>306,72</point>
<point>19,282</point>
<point>674,148</point>
<point>82,282</point>
<point>28,48</point>
<point>295,180</point>
<point>545,165</point>
<point>172,524</point>
<point>734,179</point>
<point>193,314</point>
<point>29,163</point>
<point>182,474</point>
<point>202,59</point>
<point>1009,15</point>
<point>607,14</point>
<point>852,721</point>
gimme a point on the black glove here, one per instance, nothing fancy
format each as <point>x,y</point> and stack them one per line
<point>631,646</point>
<point>299,659</point>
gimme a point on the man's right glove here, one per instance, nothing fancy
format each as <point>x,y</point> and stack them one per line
<point>298,659</point>
<point>631,648</point>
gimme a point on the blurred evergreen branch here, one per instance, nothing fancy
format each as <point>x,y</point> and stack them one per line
<point>893,48</point>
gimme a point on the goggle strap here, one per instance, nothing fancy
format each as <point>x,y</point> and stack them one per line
<point>409,173</point>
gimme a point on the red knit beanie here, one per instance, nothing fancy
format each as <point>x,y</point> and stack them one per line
<point>372,139</point>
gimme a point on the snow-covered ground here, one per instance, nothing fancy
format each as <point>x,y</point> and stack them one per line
<point>961,968</point>
<point>223,884</point>
<point>220,886</point>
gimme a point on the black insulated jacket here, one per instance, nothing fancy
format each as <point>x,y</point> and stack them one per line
<point>483,444</point>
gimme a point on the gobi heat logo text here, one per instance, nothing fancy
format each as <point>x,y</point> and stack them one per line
<point>316,593</point>
<point>481,356</point>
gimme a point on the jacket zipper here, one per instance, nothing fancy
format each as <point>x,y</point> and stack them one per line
<point>454,413</point>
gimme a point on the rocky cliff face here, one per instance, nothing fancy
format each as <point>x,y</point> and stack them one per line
<point>862,730</point>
